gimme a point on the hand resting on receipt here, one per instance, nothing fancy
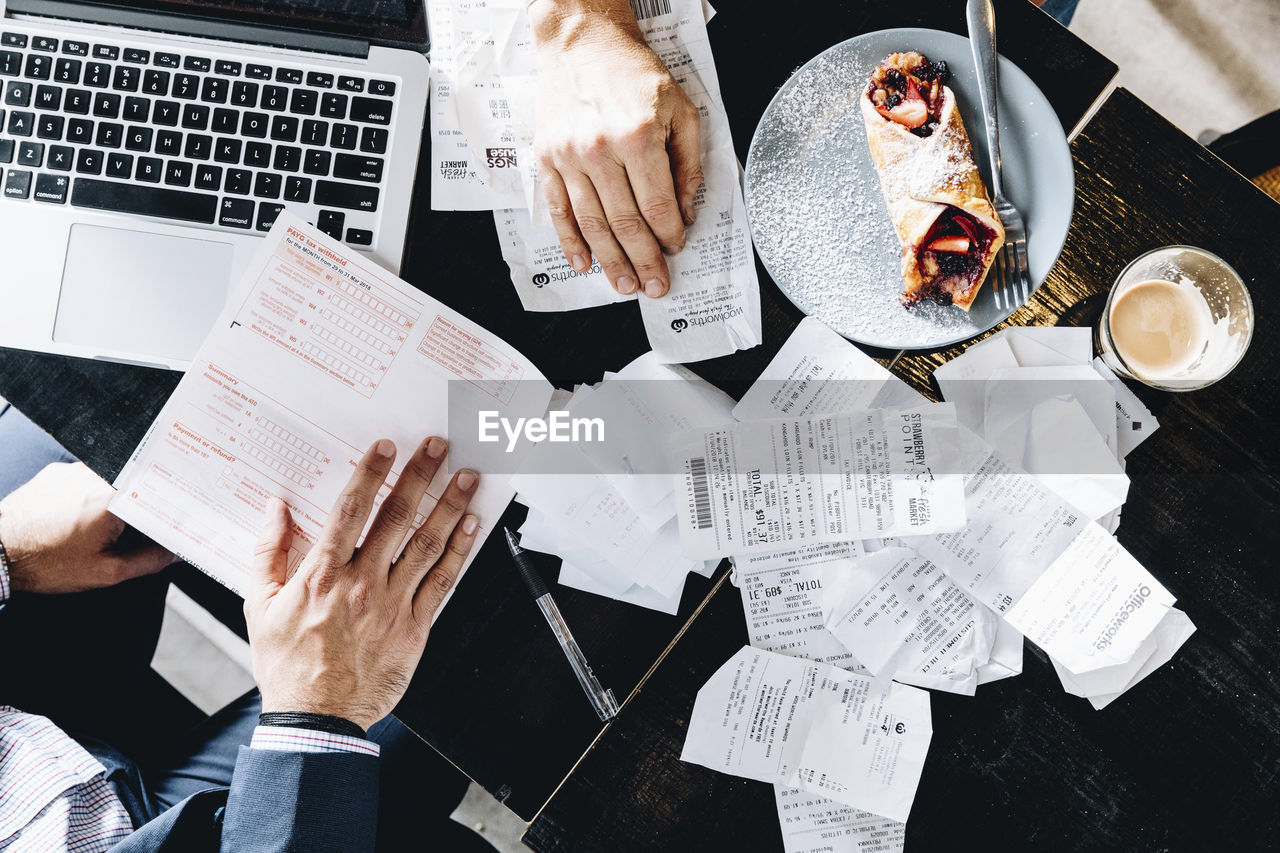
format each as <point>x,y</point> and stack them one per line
<point>618,143</point>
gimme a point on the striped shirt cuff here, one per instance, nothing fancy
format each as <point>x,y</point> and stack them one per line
<point>4,584</point>
<point>288,739</point>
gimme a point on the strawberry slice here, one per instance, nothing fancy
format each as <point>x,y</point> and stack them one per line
<point>910,113</point>
<point>950,244</point>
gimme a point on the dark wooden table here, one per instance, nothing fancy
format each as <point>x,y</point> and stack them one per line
<point>494,696</point>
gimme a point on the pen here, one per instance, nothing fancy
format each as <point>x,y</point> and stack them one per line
<point>606,706</point>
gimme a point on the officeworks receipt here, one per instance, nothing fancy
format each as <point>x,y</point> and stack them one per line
<point>811,726</point>
<point>770,484</point>
<point>316,355</point>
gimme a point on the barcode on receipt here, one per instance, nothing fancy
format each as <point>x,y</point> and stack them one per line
<point>650,8</point>
<point>701,493</point>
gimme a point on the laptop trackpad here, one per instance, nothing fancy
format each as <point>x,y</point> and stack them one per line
<point>138,293</point>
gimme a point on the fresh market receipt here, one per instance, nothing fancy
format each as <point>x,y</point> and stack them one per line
<point>316,355</point>
<point>773,484</point>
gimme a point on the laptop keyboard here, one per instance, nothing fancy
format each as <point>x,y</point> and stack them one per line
<point>192,137</point>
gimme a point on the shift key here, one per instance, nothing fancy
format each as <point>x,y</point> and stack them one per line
<point>353,167</point>
<point>348,196</point>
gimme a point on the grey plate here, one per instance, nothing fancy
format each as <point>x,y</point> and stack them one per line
<point>818,218</point>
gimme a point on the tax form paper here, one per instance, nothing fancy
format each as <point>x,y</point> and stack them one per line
<point>316,355</point>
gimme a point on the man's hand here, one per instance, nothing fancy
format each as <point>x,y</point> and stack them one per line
<point>59,536</point>
<point>618,141</point>
<point>344,634</point>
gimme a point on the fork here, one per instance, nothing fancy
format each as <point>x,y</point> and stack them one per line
<point>1012,287</point>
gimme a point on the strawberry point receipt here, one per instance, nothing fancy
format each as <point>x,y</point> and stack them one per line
<point>317,354</point>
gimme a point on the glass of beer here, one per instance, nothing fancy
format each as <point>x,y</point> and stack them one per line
<point>1178,318</point>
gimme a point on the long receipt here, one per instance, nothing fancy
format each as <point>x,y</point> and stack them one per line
<point>316,355</point>
<point>811,726</point>
<point>773,484</point>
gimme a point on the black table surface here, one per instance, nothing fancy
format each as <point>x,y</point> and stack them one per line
<point>493,693</point>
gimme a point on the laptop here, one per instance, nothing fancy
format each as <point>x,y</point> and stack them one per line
<point>145,148</point>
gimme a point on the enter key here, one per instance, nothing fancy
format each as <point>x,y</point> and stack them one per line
<point>353,167</point>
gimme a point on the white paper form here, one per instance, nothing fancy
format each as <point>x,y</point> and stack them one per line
<point>780,719</point>
<point>812,823</point>
<point>317,354</point>
<point>904,618</point>
<point>1134,421</point>
<point>769,485</point>
<point>1103,686</point>
<point>962,380</point>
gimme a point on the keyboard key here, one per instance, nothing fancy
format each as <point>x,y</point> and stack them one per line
<point>169,143</point>
<point>97,75</point>
<point>6,150</point>
<point>257,154</point>
<point>136,109</point>
<point>89,162</point>
<point>75,48</point>
<point>315,132</point>
<point>198,147</point>
<point>10,63</point>
<point>284,128</point>
<point>167,60</point>
<point>343,136</point>
<point>319,80</point>
<point>14,40</point>
<point>79,101</point>
<point>17,184</point>
<point>106,51</point>
<point>51,189</point>
<point>156,83</point>
<point>356,168</point>
<point>80,130</point>
<point>166,113</point>
<point>106,105</point>
<point>148,201</point>
<point>288,158</point>
<point>274,98</point>
<point>224,121</point>
<point>136,56</point>
<point>288,75</point>
<point>258,72</point>
<point>236,213</point>
<point>359,237</point>
<point>303,102</point>
<point>267,185</point>
<point>195,117</point>
<point>298,190</point>
<point>227,151</point>
<point>119,165</point>
<point>178,173</point>
<point>351,84</point>
<point>373,140</point>
<point>109,135</point>
<point>61,157</point>
<point>267,214</point>
<point>382,87</point>
<point>18,94</point>
<point>186,86</point>
<point>150,169</point>
<point>21,123</point>
<point>244,94</point>
<point>333,105</point>
<point>208,177</point>
<point>317,163</point>
<point>197,63</point>
<point>349,196</point>
<point>48,97</point>
<point>44,43</point>
<point>227,67</point>
<point>331,222</point>
<point>214,90</point>
<point>254,125</point>
<point>371,110</point>
<point>238,181</point>
<point>49,127</point>
<point>38,67</point>
<point>67,71</point>
<point>125,79</point>
<point>30,154</point>
<point>138,139</point>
